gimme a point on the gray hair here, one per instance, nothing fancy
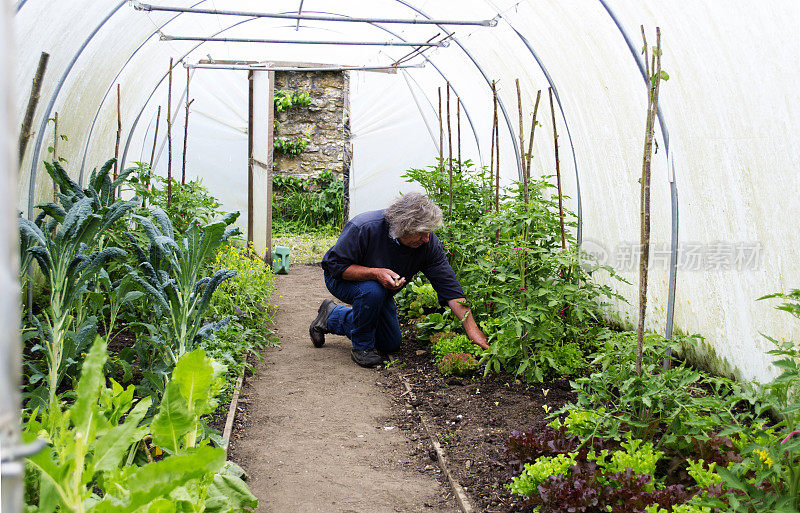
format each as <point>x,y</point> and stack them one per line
<point>412,213</point>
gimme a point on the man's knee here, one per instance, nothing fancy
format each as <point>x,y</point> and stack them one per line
<point>372,292</point>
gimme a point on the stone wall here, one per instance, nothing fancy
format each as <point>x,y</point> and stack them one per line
<point>323,122</point>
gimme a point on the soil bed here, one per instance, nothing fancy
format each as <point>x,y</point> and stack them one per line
<point>473,418</point>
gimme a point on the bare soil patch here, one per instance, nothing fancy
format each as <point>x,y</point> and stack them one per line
<point>473,418</point>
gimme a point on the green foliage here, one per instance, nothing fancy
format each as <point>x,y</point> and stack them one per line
<point>768,477</point>
<point>417,299</point>
<point>88,465</point>
<point>689,507</point>
<point>703,474</point>
<point>671,407</point>
<point>437,322</point>
<point>292,147</point>
<point>532,298</point>
<point>458,364</point>
<point>308,205</point>
<point>171,273</point>
<point>538,472</point>
<point>451,345</point>
<point>67,250</point>
<point>285,99</point>
<point>635,455</point>
<point>183,204</point>
<point>245,296</point>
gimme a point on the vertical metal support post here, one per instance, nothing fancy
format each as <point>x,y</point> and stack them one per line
<point>250,76</point>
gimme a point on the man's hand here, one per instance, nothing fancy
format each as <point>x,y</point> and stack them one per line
<point>389,279</point>
<point>386,277</point>
<point>459,308</point>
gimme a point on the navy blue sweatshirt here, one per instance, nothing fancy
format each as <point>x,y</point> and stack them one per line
<point>365,241</point>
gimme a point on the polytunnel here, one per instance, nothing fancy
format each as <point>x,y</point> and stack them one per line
<point>724,175</point>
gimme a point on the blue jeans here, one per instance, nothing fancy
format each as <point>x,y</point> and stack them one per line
<point>372,321</point>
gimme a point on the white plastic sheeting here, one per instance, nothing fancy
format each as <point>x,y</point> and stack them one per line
<point>729,107</point>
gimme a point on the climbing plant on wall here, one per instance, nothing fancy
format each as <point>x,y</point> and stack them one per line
<point>285,100</point>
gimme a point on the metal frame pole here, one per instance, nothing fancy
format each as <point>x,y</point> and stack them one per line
<point>250,14</point>
<point>167,37</point>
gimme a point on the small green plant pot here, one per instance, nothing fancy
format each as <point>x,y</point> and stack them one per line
<point>280,260</point>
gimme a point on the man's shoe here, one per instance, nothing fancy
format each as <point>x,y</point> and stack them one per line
<point>319,327</point>
<point>368,358</point>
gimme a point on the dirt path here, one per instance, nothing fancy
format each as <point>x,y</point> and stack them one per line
<point>316,431</point>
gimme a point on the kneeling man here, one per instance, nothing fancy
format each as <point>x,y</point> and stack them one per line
<point>375,256</point>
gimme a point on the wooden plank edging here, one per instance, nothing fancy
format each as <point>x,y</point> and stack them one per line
<point>226,433</point>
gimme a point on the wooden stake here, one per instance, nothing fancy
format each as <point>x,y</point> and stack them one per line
<point>494,131</point>
<point>169,137</point>
<point>33,100</point>
<point>653,73</point>
<point>458,128</point>
<point>530,140</point>
<point>441,135</point>
<point>152,156</point>
<point>522,145</point>
<point>449,158</point>
<point>55,152</point>
<point>119,136</point>
<point>185,129</point>
<point>497,167</point>
<point>558,172</point>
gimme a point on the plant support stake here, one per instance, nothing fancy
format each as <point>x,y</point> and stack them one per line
<point>449,158</point>
<point>494,131</point>
<point>36,87</point>
<point>119,136</point>
<point>152,156</point>
<point>169,137</point>
<point>441,136</point>
<point>522,147</point>
<point>653,71</point>
<point>185,129</point>
<point>558,173</point>
<point>497,168</point>
<point>458,129</point>
<point>530,140</point>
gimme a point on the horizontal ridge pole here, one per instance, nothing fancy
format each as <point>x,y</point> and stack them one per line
<point>163,8</point>
<point>285,68</point>
<point>165,37</point>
